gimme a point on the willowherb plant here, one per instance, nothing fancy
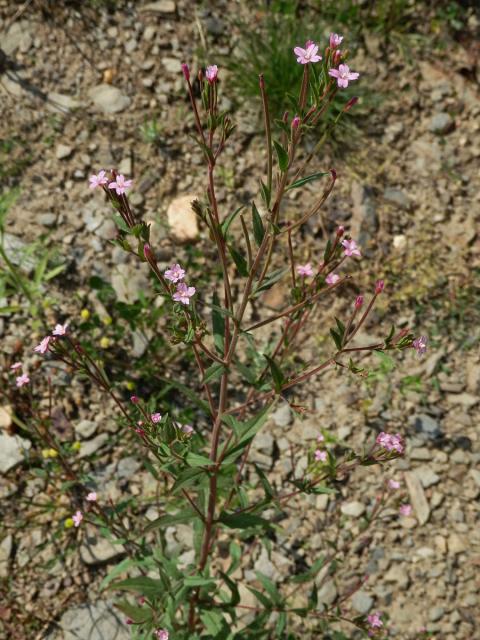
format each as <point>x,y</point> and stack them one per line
<point>241,378</point>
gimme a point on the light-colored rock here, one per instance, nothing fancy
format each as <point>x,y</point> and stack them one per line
<point>456,544</point>
<point>95,550</point>
<point>417,496</point>
<point>353,509</point>
<point>60,103</point>
<point>5,552</point>
<point>427,476</point>
<point>108,98</point>
<point>182,220</point>
<point>362,602</point>
<point>441,123</point>
<point>63,151</point>
<point>92,446</point>
<point>97,621</point>
<point>327,594</point>
<point>85,429</point>
<point>128,281</point>
<point>282,416</point>
<point>5,416</point>
<point>12,451</point>
<point>160,6</point>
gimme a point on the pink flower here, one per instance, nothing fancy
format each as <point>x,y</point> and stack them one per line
<point>98,180</point>
<point>92,497</point>
<point>390,442</point>
<point>183,293</point>
<point>211,73</point>
<point>140,432</point>
<point>374,620</point>
<point>359,302</point>
<point>22,380</point>
<point>134,399</point>
<point>393,484</point>
<point>320,456</point>
<point>162,634</point>
<point>320,438</point>
<point>16,365</point>
<point>309,54</point>
<point>175,273</point>
<point>43,346</point>
<point>120,184</point>
<point>351,248</point>
<point>77,518</point>
<point>156,417</point>
<point>335,40</point>
<point>295,122</point>
<point>186,71</point>
<point>379,286</point>
<point>60,329</point>
<point>186,428</point>
<point>332,278</point>
<point>305,270</point>
<point>406,510</point>
<point>343,75</point>
<point>420,345</point>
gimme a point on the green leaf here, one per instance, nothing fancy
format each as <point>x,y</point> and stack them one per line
<point>138,614</point>
<point>218,325</point>
<point>269,281</point>
<point>245,432</point>
<point>267,487</point>
<point>258,228</point>
<point>197,460</point>
<point>232,586</point>
<point>214,372</point>
<point>198,581</point>
<point>277,375</point>
<point>191,395</point>
<point>239,260</point>
<point>266,194</point>
<point>187,478</point>
<point>120,222</point>
<point>341,328</point>
<point>116,571</point>
<point>310,573</point>
<point>336,338</point>
<point>225,226</point>
<point>311,178</point>
<point>269,587</point>
<point>243,521</point>
<point>213,621</point>
<point>148,587</point>
<point>282,156</point>
<point>186,515</point>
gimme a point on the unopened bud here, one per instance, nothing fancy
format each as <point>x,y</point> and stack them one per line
<point>134,399</point>
<point>186,71</point>
<point>147,252</point>
<point>295,122</point>
<point>337,56</point>
<point>359,302</point>
<point>340,231</point>
<point>351,103</point>
<point>379,286</point>
<point>261,81</point>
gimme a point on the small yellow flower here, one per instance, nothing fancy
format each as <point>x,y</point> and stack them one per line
<point>130,385</point>
<point>76,446</point>
<point>106,320</point>
<point>68,524</point>
<point>45,453</point>
<point>85,314</point>
<point>49,453</point>
<point>105,342</point>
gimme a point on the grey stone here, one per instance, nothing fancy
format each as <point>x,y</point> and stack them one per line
<point>161,6</point>
<point>5,552</point>
<point>441,123</point>
<point>426,427</point>
<point>362,602</point>
<point>417,496</point>
<point>95,550</point>
<point>60,103</point>
<point>92,446</point>
<point>365,218</point>
<point>436,613</point>
<point>353,509</point>
<point>427,476</point>
<point>85,429</point>
<point>47,219</point>
<point>109,99</point>
<point>128,281</point>
<point>283,416</point>
<point>16,251</point>
<point>97,621</point>
<point>13,39</point>
<point>398,198</point>
<point>328,593</point>
<point>63,151</point>
<point>12,451</point>
<point>397,574</point>
<point>127,467</point>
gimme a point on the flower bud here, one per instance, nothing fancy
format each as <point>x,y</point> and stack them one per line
<point>211,73</point>
<point>261,81</point>
<point>352,102</point>
<point>186,71</point>
<point>147,252</point>
<point>337,57</point>
<point>134,399</point>
<point>340,231</point>
<point>295,122</point>
<point>359,302</point>
<point>379,286</point>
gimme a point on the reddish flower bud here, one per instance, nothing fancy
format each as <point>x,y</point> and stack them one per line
<point>352,102</point>
<point>186,71</point>
<point>337,56</point>
<point>134,399</point>
<point>261,81</point>
<point>359,302</point>
<point>147,252</point>
<point>295,122</point>
<point>379,286</point>
<point>340,231</point>
<point>128,621</point>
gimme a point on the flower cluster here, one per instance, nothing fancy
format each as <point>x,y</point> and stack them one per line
<point>176,275</point>
<point>120,184</point>
<point>420,345</point>
<point>390,442</point>
<point>309,54</point>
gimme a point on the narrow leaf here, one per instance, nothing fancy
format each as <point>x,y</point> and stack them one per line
<point>239,260</point>
<point>258,228</point>
<point>282,156</point>
<point>302,181</point>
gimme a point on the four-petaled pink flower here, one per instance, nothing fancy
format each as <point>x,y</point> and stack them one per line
<point>309,54</point>
<point>16,365</point>
<point>335,40</point>
<point>390,442</point>
<point>175,273</point>
<point>320,455</point>
<point>77,518</point>
<point>305,270</point>
<point>156,417</point>
<point>393,484</point>
<point>186,428</point>
<point>343,75</point>
<point>374,620</point>
<point>120,184</point>
<point>332,278</point>
<point>98,180</point>
<point>211,73</point>
<point>183,293</point>
<point>359,302</point>
<point>60,329</point>
<point>420,345</point>
<point>92,497</point>
<point>351,248</point>
<point>162,634</point>
<point>43,346</point>
<point>22,380</point>
<point>406,510</point>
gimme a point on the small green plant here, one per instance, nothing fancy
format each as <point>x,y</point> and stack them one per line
<point>151,131</point>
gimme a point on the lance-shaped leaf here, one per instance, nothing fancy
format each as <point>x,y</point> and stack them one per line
<point>258,228</point>
<point>282,156</point>
<point>148,587</point>
<point>186,515</point>
<point>266,194</point>
<point>243,521</point>
<point>239,260</point>
<point>277,375</point>
<point>214,372</point>
<point>228,221</point>
<point>307,179</point>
